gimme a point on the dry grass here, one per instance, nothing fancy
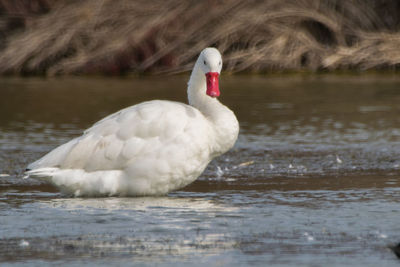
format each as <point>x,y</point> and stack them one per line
<point>109,36</point>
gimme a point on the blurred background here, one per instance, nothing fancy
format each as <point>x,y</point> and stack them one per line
<point>104,36</point>
<point>313,179</point>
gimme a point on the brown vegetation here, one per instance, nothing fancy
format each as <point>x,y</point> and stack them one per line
<point>106,36</point>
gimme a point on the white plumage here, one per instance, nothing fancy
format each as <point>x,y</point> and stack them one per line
<point>147,149</point>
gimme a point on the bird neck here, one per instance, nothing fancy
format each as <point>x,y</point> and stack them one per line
<point>224,122</point>
<point>209,106</point>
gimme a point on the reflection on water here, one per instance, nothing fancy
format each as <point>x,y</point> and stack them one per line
<point>313,179</point>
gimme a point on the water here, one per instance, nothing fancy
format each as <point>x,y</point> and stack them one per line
<point>312,181</point>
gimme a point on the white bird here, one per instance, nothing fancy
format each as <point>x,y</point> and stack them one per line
<point>150,148</point>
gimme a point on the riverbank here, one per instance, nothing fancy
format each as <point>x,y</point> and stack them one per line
<point>90,37</point>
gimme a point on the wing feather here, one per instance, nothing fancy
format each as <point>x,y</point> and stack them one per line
<point>134,137</point>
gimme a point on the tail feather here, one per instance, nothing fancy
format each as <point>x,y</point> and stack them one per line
<point>81,183</point>
<point>41,173</point>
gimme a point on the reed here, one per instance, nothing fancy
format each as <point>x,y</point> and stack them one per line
<point>93,36</point>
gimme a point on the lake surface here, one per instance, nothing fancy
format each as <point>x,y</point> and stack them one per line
<point>312,181</point>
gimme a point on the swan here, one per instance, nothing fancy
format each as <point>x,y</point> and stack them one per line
<point>151,148</point>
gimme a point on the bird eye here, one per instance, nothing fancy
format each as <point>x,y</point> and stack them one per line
<point>205,63</point>
<point>219,63</point>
